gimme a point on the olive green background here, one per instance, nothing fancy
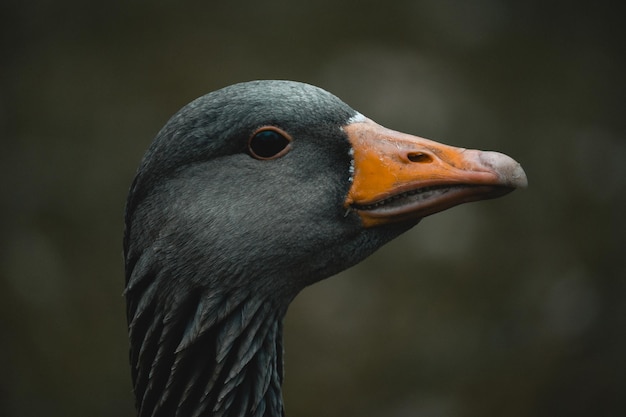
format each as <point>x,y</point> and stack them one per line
<point>512,307</point>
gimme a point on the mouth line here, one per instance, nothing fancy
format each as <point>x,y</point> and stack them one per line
<point>424,201</point>
<point>412,196</point>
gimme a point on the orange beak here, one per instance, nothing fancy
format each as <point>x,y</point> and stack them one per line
<point>399,177</point>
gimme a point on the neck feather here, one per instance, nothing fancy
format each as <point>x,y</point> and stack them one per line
<point>201,353</point>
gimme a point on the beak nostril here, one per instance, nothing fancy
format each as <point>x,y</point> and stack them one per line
<point>419,157</point>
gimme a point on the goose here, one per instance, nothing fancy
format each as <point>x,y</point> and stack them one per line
<point>246,196</point>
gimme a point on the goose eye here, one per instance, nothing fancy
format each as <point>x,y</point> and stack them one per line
<point>269,142</point>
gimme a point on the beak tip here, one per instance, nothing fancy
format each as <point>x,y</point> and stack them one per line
<point>514,176</point>
<point>509,171</point>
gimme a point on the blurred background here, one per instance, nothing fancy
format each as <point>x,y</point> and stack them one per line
<point>512,307</point>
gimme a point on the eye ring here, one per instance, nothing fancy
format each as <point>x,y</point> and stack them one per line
<point>269,142</point>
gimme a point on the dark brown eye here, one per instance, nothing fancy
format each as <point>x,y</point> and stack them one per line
<point>269,142</point>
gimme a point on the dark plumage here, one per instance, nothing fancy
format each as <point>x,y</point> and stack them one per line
<point>221,235</point>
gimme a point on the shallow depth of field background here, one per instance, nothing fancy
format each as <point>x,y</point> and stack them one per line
<point>513,307</point>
